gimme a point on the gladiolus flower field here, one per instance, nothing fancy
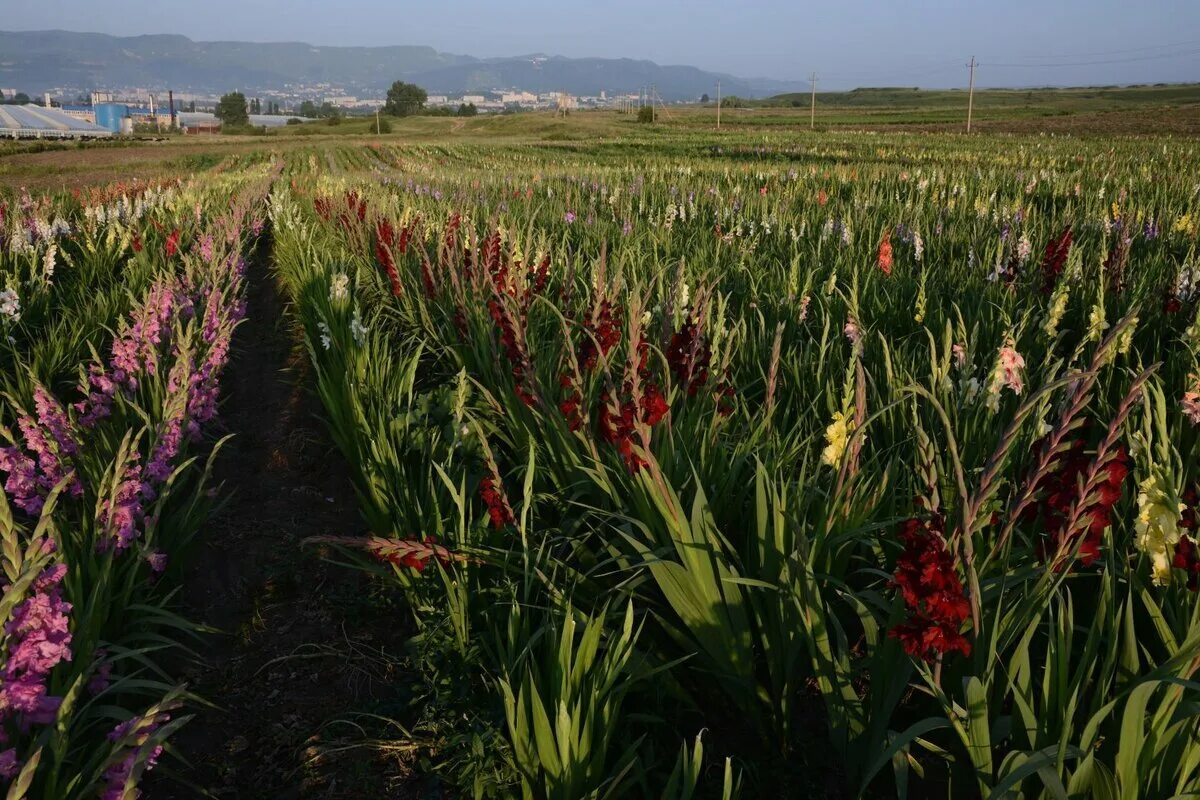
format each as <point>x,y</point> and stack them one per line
<point>857,466</point>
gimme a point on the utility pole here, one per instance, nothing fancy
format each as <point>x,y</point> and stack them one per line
<point>653,95</point>
<point>377,122</point>
<point>812,108</point>
<point>718,105</point>
<point>971,93</point>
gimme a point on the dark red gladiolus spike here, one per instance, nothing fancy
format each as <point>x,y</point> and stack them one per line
<point>491,491</point>
<point>603,335</point>
<point>1055,259</point>
<point>386,233</point>
<point>1187,558</point>
<point>541,275</point>
<point>451,238</point>
<point>1059,491</point>
<point>512,350</point>
<point>654,405</point>
<point>928,582</point>
<point>571,406</point>
<point>405,235</point>
<point>688,355</point>
<point>383,253</point>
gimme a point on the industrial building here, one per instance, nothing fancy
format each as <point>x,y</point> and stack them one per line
<point>35,122</point>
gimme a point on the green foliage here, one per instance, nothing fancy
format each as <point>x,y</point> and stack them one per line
<point>404,99</point>
<point>231,110</point>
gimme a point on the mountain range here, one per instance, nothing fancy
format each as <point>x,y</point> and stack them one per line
<point>39,61</point>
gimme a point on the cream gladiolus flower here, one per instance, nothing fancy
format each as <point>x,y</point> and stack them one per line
<point>1157,527</point>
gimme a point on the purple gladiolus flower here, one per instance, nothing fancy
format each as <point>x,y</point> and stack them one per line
<point>39,639</point>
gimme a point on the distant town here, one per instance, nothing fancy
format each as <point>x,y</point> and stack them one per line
<point>139,109</point>
<point>302,100</point>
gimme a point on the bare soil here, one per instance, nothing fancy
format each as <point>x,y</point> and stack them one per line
<point>298,641</point>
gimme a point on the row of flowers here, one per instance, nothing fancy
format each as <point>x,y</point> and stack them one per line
<point>103,491</point>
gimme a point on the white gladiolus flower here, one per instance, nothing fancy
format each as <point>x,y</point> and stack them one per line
<point>358,330</point>
<point>339,287</point>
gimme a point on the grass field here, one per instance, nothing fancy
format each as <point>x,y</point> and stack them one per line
<point>1131,111</point>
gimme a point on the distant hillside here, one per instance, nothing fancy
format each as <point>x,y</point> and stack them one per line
<point>42,60</point>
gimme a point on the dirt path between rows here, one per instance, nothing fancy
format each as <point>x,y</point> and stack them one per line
<point>300,642</point>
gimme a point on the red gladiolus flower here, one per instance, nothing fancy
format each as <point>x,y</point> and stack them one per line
<point>927,580</point>
<point>1055,259</point>
<point>822,197</point>
<point>1060,491</point>
<point>884,259</point>
<point>385,233</point>
<point>1187,558</point>
<point>654,405</point>
<point>688,355</point>
<point>618,421</point>
<point>452,231</point>
<point>172,246</point>
<point>356,205</point>
<point>405,235</point>
<point>1187,554</point>
<point>137,243</point>
<point>603,336</point>
<point>383,253</point>
<point>491,491</point>
<point>539,276</point>
<point>571,406</point>
<point>521,368</point>
<point>412,553</point>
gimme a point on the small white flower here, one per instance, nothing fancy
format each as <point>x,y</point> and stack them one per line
<point>358,330</point>
<point>339,287</point>
<point>48,262</point>
<point>10,306</point>
<point>325,338</point>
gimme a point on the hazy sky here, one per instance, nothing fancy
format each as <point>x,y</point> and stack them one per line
<point>849,43</point>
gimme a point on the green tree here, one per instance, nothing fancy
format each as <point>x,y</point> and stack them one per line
<point>467,110</point>
<point>646,114</point>
<point>231,109</point>
<point>704,98</point>
<point>404,99</point>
